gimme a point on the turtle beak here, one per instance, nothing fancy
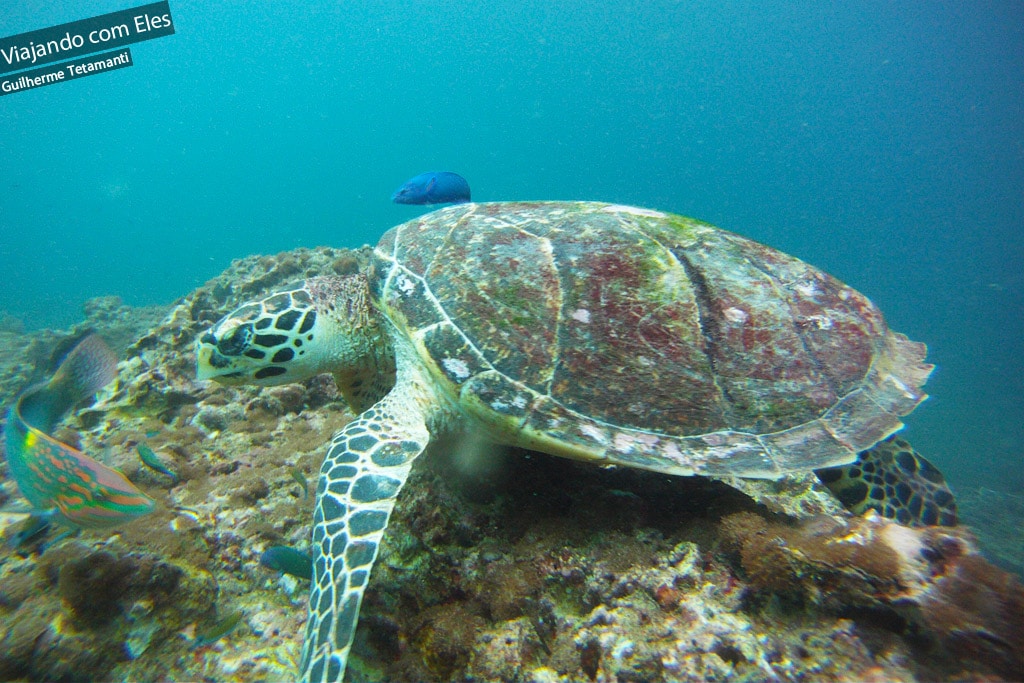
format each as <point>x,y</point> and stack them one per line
<point>212,364</point>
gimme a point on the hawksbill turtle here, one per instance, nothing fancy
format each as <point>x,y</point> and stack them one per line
<point>598,332</point>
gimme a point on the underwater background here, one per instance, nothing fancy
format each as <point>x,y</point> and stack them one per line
<point>881,142</point>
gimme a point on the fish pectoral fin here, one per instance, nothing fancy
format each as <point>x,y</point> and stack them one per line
<point>429,188</point>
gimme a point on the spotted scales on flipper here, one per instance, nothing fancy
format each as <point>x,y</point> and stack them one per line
<point>895,481</point>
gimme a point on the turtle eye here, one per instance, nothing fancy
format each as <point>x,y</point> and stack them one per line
<point>236,341</point>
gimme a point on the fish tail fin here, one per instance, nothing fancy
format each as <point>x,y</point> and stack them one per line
<point>89,367</point>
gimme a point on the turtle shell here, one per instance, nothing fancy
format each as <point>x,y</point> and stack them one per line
<point>642,338</point>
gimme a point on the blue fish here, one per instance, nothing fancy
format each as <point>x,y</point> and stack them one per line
<point>435,187</point>
<point>288,560</point>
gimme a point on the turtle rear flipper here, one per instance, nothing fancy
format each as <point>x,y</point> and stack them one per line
<point>897,482</point>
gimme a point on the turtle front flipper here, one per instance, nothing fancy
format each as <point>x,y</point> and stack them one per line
<point>895,481</point>
<point>366,465</point>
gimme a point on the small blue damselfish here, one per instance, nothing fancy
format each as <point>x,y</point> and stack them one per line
<point>288,560</point>
<point>435,187</point>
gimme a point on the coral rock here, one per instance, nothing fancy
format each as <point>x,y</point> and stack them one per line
<point>932,579</point>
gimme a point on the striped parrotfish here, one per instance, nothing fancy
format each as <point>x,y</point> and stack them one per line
<point>53,474</point>
<point>435,187</point>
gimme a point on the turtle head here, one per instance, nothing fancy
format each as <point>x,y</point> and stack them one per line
<point>269,341</point>
<point>324,324</point>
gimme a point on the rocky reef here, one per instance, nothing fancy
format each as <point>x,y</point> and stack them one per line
<point>499,564</point>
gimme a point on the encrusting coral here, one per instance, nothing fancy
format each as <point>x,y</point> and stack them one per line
<point>931,584</point>
<point>114,607</point>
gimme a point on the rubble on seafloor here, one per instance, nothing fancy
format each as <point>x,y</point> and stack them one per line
<point>499,564</point>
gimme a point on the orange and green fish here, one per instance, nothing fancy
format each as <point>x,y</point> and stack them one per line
<point>51,474</point>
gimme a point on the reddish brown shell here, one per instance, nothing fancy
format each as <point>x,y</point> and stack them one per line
<point>642,338</point>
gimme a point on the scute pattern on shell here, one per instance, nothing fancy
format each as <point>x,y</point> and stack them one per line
<point>599,331</point>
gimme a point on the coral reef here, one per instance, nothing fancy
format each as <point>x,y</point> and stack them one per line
<point>499,564</point>
<point>105,614</point>
<point>930,584</point>
<point>633,576</point>
<point>114,606</point>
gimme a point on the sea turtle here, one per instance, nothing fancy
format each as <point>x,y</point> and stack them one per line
<point>598,332</point>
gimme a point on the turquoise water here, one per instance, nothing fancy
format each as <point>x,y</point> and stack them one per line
<point>883,143</point>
